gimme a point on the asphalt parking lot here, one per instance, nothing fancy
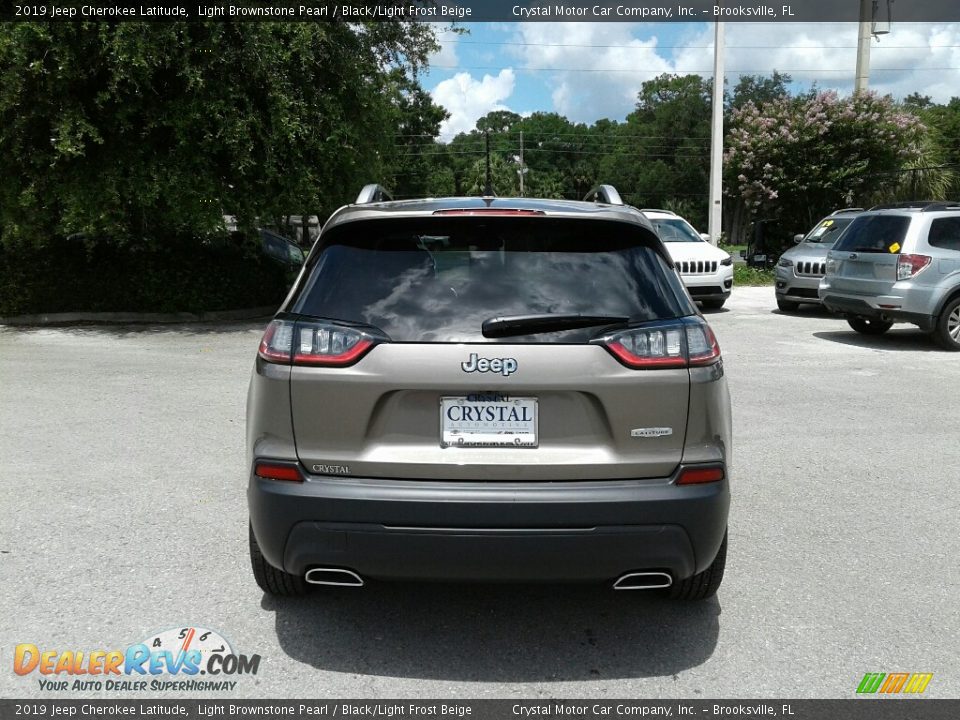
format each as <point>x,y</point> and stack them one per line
<point>123,513</point>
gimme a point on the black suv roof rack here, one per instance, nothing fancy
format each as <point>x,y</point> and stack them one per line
<point>373,193</point>
<point>921,205</point>
<point>604,194</point>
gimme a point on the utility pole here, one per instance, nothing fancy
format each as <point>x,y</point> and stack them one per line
<point>488,187</point>
<point>716,140</point>
<point>523,169</point>
<point>870,27</point>
<point>863,47</point>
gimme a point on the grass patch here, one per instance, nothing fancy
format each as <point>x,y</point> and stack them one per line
<point>732,249</point>
<point>744,275</point>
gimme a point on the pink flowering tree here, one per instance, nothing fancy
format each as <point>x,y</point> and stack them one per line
<point>794,159</point>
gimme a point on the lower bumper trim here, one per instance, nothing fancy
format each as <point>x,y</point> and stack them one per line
<point>599,554</point>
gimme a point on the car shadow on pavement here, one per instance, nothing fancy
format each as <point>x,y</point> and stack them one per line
<point>499,633</point>
<point>808,311</point>
<point>909,340</point>
<point>135,330</point>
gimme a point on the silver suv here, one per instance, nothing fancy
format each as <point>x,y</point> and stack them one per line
<point>899,263</point>
<point>800,268</point>
<point>488,389</point>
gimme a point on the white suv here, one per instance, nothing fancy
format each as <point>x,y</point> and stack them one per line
<point>706,271</point>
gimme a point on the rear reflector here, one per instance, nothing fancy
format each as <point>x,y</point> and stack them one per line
<point>697,475</point>
<point>272,471</point>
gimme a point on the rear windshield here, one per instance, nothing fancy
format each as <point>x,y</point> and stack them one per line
<point>828,231</point>
<point>438,279</point>
<point>874,233</point>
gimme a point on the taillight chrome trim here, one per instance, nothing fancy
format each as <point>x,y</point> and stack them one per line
<point>683,359</point>
<point>909,262</point>
<point>286,355</point>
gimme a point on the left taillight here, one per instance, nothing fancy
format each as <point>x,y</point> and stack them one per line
<point>669,345</point>
<point>313,343</point>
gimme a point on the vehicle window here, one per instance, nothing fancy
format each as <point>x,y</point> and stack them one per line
<point>676,230</point>
<point>437,280</point>
<point>874,233</point>
<point>272,246</point>
<point>828,230</point>
<point>945,233</point>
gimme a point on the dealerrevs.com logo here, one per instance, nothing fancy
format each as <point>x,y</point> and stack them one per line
<point>180,659</point>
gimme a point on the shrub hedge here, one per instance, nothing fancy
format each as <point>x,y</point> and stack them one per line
<point>181,274</point>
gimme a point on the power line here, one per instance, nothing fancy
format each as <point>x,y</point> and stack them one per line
<point>696,47</point>
<point>641,71</point>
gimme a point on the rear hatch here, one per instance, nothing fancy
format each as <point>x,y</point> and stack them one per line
<point>864,259</point>
<point>491,348</point>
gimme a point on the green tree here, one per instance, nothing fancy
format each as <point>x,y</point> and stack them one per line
<point>759,89</point>
<point>412,161</point>
<point>142,130</point>
<point>662,150</point>
<point>795,159</point>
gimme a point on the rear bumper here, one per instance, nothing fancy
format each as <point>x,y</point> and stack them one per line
<point>428,530</point>
<point>861,308</point>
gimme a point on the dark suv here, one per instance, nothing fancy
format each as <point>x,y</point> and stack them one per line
<point>489,389</point>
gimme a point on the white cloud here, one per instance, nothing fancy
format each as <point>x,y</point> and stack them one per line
<point>600,67</point>
<point>467,99</point>
<point>606,65</point>
<point>446,56</point>
<point>910,59</point>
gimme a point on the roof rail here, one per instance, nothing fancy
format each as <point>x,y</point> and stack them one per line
<point>373,193</point>
<point>665,212</point>
<point>921,205</point>
<point>850,209</point>
<point>604,194</point>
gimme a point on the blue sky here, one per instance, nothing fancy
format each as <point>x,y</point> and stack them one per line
<point>590,71</point>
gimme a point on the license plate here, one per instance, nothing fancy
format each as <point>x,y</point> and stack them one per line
<point>488,420</point>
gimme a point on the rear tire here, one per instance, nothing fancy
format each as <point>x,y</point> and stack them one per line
<point>868,326</point>
<point>271,580</point>
<point>946,333</point>
<point>713,304</point>
<point>787,305</point>
<point>704,584</point>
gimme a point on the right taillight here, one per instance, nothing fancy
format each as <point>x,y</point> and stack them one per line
<point>313,343</point>
<point>672,345</point>
<point>909,265</point>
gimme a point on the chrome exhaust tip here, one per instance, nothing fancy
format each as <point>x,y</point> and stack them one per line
<point>643,581</point>
<point>333,576</point>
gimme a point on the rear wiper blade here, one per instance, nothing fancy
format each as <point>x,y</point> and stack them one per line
<point>511,325</point>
